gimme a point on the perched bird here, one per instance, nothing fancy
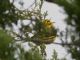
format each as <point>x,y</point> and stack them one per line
<point>47,23</point>
<point>47,26</point>
<point>46,33</point>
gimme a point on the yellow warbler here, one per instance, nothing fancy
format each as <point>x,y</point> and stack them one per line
<point>47,23</point>
<point>46,34</point>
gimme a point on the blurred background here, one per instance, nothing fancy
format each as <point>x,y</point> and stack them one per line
<point>23,35</point>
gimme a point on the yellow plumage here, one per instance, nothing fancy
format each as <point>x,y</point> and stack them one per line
<point>47,23</point>
<point>47,32</point>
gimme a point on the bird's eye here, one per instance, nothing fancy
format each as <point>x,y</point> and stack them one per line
<point>48,21</point>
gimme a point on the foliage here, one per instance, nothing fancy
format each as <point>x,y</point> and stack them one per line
<point>6,48</point>
<point>9,40</point>
<point>54,56</point>
<point>73,25</point>
<point>33,54</point>
<point>43,33</point>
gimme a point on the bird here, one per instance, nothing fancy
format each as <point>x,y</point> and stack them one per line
<point>47,23</point>
<point>47,32</point>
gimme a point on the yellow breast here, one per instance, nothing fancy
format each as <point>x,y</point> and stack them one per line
<point>47,23</point>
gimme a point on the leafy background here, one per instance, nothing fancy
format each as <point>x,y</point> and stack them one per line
<point>10,42</point>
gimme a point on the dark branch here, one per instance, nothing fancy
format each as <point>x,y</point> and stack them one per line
<point>68,44</point>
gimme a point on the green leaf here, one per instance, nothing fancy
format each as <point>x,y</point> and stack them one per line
<point>5,39</point>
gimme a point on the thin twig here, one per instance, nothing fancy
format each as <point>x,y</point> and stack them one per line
<point>68,44</point>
